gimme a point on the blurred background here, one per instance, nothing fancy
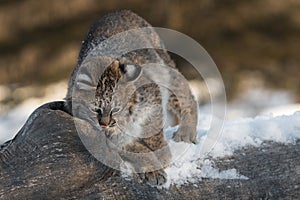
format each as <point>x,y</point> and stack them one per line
<point>255,45</point>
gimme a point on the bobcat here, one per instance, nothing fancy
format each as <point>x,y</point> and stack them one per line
<point>129,103</point>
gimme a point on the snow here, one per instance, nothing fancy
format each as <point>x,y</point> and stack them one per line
<point>236,134</point>
<point>11,123</point>
<point>261,101</point>
<point>281,110</point>
<point>13,120</point>
<point>190,167</point>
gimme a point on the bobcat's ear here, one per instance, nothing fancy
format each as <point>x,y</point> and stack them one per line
<point>115,65</point>
<point>131,72</point>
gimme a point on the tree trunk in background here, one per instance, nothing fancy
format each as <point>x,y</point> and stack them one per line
<point>46,160</point>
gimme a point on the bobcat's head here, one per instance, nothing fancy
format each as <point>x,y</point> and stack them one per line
<point>113,94</point>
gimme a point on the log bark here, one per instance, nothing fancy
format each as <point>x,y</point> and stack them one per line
<point>46,160</point>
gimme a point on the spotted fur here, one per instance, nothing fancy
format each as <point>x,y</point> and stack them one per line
<point>131,114</point>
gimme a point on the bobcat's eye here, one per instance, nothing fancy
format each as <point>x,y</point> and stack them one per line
<point>113,123</point>
<point>99,111</point>
<point>115,110</point>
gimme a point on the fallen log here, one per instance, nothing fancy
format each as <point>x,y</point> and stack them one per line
<point>46,160</point>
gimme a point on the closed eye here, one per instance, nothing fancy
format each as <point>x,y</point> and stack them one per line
<point>99,111</point>
<point>115,110</point>
<point>113,123</point>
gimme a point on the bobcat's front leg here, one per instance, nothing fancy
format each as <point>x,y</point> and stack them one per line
<point>186,111</point>
<point>151,156</point>
<point>183,104</point>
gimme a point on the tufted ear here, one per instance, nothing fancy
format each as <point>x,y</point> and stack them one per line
<point>131,72</point>
<point>115,67</point>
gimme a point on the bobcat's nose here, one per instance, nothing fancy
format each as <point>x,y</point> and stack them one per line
<point>104,122</point>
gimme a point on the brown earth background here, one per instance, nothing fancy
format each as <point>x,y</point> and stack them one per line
<point>40,40</point>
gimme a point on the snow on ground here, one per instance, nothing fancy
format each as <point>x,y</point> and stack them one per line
<point>257,101</point>
<point>281,110</point>
<point>235,135</point>
<point>190,165</point>
<point>11,122</point>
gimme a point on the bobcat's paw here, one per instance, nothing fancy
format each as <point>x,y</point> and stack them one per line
<point>185,134</point>
<point>155,178</point>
